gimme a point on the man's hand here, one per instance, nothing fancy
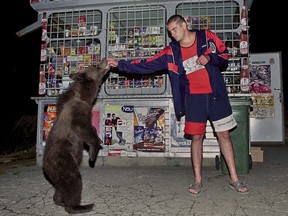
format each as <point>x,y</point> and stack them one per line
<point>203,59</point>
<point>112,62</point>
<point>179,116</point>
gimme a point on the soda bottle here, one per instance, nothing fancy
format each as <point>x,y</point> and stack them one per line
<point>42,81</point>
<point>235,49</point>
<point>244,76</point>
<point>244,18</point>
<point>108,130</point>
<point>44,27</point>
<point>43,56</point>
<point>243,44</point>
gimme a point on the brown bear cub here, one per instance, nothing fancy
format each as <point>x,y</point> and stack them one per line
<point>72,133</point>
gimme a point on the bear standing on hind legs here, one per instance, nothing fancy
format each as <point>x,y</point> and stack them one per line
<point>71,133</point>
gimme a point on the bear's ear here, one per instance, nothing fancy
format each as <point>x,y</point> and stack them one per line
<point>78,76</point>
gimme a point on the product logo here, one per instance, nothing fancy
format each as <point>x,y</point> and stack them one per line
<point>212,47</point>
<point>127,109</point>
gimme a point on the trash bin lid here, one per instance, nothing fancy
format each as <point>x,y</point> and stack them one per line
<point>239,101</point>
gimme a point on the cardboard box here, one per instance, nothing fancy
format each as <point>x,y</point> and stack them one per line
<point>257,154</point>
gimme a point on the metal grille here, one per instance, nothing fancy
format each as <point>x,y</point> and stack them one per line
<point>70,44</point>
<point>135,32</point>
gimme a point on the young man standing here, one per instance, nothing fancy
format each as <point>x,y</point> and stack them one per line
<point>194,59</point>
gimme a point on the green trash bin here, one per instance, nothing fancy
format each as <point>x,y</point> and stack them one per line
<point>240,136</point>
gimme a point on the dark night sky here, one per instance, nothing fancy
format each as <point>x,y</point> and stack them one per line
<point>265,35</point>
<point>22,59</point>
<point>22,54</point>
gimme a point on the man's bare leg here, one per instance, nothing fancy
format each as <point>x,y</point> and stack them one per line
<point>196,152</point>
<point>227,151</point>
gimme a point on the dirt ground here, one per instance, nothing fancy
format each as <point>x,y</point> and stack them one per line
<point>19,158</point>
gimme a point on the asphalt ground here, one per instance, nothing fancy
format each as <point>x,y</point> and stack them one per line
<point>154,191</point>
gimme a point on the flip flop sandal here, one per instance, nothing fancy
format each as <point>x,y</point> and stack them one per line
<point>195,189</point>
<point>237,186</point>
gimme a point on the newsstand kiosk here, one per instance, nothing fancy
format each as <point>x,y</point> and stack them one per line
<point>77,34</point>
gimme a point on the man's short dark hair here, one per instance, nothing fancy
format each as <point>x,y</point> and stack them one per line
<point>176,18</point>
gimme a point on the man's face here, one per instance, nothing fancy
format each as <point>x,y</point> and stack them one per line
<point>177,30</point>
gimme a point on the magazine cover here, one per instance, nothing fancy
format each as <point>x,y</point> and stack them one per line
<point>260,79</point>
<point>149,129</point>
<point>118,128</point>
<point>262,106</point>
<point>196,22</point>
<point>50,114</point>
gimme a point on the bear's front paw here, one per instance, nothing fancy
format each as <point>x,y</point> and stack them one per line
<point>92,163</point>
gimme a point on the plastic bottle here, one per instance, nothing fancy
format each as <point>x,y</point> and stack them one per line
<point>108,130</point>
<point>42,81</point>
<point>243,34</point>
<point>243,44</point>
<point>44,27</point>
<point>235,49</point>
<point>244,18</point>
<point>244,76</point>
